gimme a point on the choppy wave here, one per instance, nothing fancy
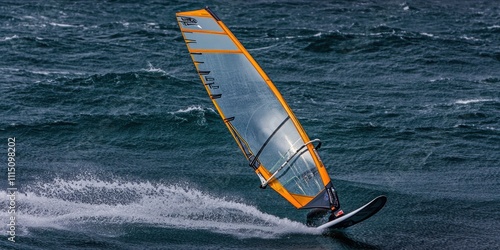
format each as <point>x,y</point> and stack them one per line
<point>151,68</point>
<point>197,112</point>
<point>478,100</point>
<point>89,203</point>
<point>8,38</point>
<point>64,25</point>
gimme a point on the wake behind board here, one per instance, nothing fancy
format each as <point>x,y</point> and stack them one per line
<point>357,215</point>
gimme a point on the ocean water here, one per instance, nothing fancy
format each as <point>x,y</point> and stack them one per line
<point>117,144</point>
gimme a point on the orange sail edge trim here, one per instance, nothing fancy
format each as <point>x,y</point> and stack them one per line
<point>297,200</point>
<point>200,13</point>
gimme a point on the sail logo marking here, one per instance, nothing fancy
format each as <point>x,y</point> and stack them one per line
<point>210,82</point>
<point>188,21</point>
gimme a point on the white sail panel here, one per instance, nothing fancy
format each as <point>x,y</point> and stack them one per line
<point>255,113</point>
<point>209,41</point>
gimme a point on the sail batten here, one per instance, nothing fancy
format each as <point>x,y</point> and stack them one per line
<point>257,116</point>
<point>216,51</point>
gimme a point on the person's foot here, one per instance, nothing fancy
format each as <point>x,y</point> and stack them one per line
<point>336,214</point>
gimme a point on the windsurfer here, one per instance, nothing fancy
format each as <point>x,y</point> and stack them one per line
<point>335,204</point>
<point>317,214</point>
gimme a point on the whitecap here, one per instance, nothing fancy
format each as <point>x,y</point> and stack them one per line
<point>63,25</point>
<point>197,112</point>
<point>8,38</point>
<point>441,79</point>
<point>469,101</point>
<point>28,17</point>
<point>151,68</point>
<point>190,109</point>
<point>468,38</point>
<point>263,48</point>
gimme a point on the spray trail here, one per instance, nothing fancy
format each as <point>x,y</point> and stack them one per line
<point>90,204</point>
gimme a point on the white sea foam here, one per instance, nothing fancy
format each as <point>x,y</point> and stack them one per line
<point>196,111</point>
<point>441,79</point>
<point>469,101</point>
<point>54,72</point>
<point>151,68</point>
<point>63,25</point>
<point>263,48</point>
<point>90,204</point>
<point>468,38</point>
<point>8,38</point>
<point>28,17</point>
<point>190,109</point>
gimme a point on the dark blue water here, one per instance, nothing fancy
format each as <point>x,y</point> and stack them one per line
<point>118,145</point>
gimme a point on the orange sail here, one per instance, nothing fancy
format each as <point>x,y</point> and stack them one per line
<point>258,117</point>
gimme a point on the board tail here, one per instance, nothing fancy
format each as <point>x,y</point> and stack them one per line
<point>358,215</point>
